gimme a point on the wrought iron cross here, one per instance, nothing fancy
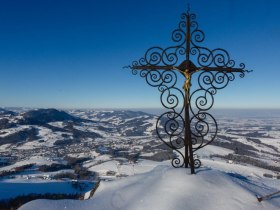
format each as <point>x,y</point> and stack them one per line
<point>187,127</point>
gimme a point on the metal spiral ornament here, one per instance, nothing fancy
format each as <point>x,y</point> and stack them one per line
<point>170,125</point>
<point>158,56</point>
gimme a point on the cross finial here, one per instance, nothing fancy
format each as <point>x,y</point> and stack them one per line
<point>189,8</point>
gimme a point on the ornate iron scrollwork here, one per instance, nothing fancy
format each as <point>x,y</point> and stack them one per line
<point>215,70</point>
<point>170,125</point>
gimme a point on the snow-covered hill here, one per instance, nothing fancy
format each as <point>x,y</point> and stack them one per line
<point>165,188</point>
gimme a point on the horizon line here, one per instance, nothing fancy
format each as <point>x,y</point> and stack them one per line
<point>134,108</point>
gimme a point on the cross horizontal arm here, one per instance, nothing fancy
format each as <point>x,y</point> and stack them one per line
<point>169,68</point>
<point>221,69</point>
<point>152,67</point>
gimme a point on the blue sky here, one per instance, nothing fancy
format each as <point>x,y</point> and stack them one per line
<point>66,54</point>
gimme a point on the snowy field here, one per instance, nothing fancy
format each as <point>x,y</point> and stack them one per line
<point>216,186</point>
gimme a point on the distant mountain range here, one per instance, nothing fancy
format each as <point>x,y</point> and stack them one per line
<point>76,125</point>
<point>118,132</point>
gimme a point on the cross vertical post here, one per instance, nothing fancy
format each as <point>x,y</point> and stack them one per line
<point>188,143</point>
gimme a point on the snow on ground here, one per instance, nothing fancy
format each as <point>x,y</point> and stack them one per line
<point>142,166</point>
<point>224,165</point>
<point>46,135</point>
<point>9,131</point>
<point>89,127</point>
<point>34,176</point>
<point>57,124</point>
<point>213,150</point>
<point>165,188</point>
<point>148,154</point>
<point>5,147</point>
<point>218,185</point>
<point>39,160</point>
<point>152,122</point>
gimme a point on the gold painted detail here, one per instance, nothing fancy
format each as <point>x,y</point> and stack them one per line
<point>187,84</point>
